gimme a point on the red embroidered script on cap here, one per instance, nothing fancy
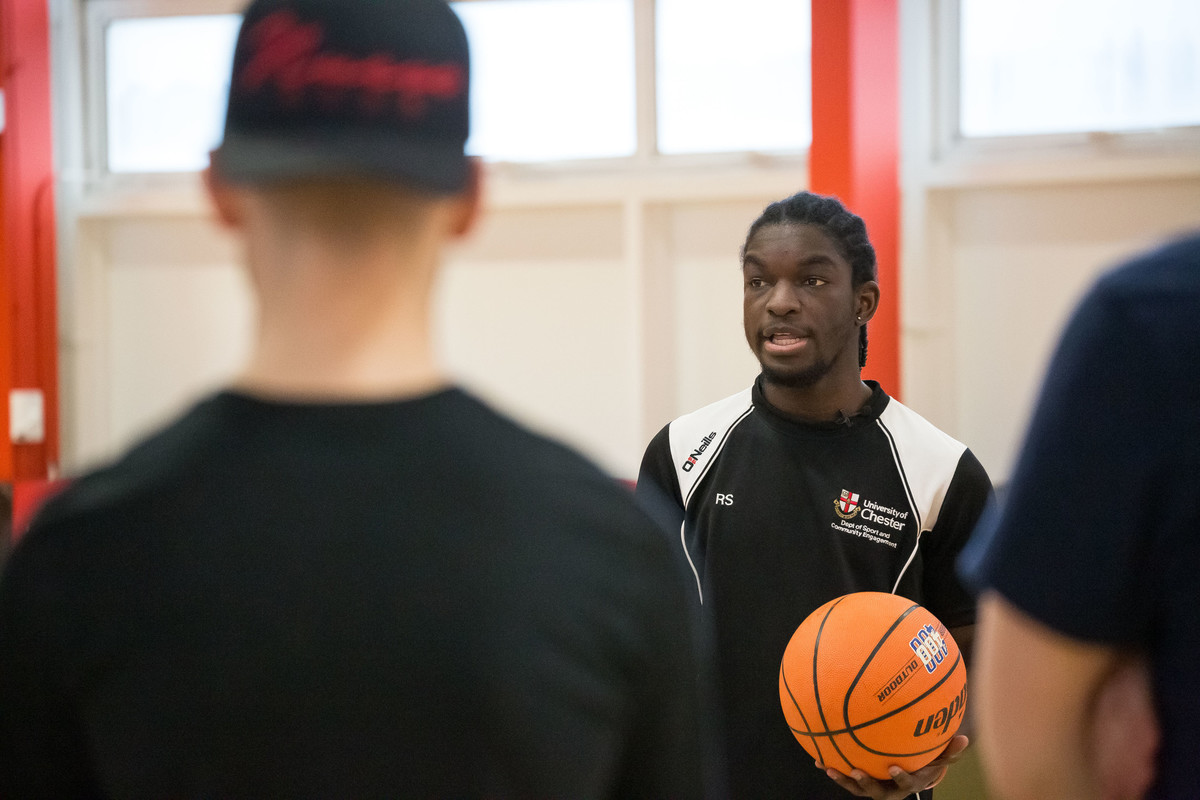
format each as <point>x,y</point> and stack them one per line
<point>285,54</point>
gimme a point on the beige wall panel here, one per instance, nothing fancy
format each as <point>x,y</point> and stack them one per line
<point>1021,258</point>
<point>712,357</point>
<point>535,312</point>
<point>552,343</point>
<point>179,320</point>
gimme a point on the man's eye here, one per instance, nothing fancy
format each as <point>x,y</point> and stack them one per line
<point>755,283</point>
<point>815,281</point>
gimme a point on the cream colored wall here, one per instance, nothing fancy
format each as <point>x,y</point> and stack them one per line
<point>591,309</point>
<point>537,315</point>
<point>598,324</point>
<point>1020,258</point>
<point>596,304</point>
<point>712,359</point>
<point>1000,239</point>
<point>157,314</point>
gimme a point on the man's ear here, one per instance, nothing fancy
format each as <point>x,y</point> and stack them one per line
<point>866,301</point>
<point>223,197</point>
<point>469,202</point>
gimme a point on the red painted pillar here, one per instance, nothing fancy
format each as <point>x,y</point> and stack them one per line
<point>856,145</point>
<point>28,316</point>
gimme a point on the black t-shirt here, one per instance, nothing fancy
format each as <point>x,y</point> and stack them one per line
<point>779,516</point>
<point>414,598</point>
<point>1099,533</point>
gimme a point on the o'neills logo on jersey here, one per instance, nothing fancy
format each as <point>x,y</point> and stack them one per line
<point>942,719</point>
<point>699,451</point>
<point>846,505</point>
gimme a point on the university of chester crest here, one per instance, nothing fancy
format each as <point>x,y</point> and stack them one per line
<point>846,505</point>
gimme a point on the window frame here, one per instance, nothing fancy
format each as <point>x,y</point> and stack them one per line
<point>634,107</point>
<point>95,15</point>
<point>952,148</point>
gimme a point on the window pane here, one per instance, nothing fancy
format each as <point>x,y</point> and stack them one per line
<point>551,79</point>
<point>166,83</point>
<point>1030,66</point>
<point>734,75</point>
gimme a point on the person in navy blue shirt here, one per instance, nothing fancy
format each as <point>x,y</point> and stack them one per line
<point>1088,643</point>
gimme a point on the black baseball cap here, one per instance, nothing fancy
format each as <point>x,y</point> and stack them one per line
<point>341,88</point>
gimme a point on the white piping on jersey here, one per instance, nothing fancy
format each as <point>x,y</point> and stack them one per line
<point>911,503</point>
<point>723,416</point>
<point>932,456</point>
<point>692,564</point>
<point>716,452</point>
<point>908,493</point>
<point>908,563</point>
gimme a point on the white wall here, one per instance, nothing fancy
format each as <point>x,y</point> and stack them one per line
<point>1001,238</point>
<point>159,315</point>
<point>597,304</point>
<point>593,308</point>
<point>537,315</point>
<point>1021,257</point>
<point>598,324</point>
<point>712,359</point>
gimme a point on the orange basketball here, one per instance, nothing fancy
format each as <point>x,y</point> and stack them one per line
<point>869,680</point>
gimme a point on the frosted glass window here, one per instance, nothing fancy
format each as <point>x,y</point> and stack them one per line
<point>166,83</point>
<point>734,75</point>
<point>551,79</point>
<point>1031,66</point>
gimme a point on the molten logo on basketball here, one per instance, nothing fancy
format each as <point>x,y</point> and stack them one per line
<point>930,647</point>
<point>942,719</point>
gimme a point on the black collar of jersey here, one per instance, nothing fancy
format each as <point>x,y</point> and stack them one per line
<point>868,413</point>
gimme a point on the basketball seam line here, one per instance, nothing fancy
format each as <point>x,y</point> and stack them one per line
<point>851,729</point>
<point>817,685</point>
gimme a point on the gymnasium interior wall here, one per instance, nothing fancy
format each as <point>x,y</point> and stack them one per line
<point>999,239</point>
<point>597,303</point>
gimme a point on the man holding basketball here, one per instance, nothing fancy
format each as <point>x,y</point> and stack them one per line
<point>809,485</point>
<point>344,576</point>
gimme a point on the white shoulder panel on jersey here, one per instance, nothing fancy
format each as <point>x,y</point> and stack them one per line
<point>926,458</point>
<point>697,438</point>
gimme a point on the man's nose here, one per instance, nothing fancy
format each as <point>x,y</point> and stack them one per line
<point>783,299</point>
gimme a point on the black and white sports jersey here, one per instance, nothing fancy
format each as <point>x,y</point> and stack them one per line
<point>779,516</point>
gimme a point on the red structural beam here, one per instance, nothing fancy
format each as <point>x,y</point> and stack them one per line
<point>856,145</point>
<point>28,316</point>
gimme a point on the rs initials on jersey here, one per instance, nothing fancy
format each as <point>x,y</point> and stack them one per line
<point>724,499</point>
